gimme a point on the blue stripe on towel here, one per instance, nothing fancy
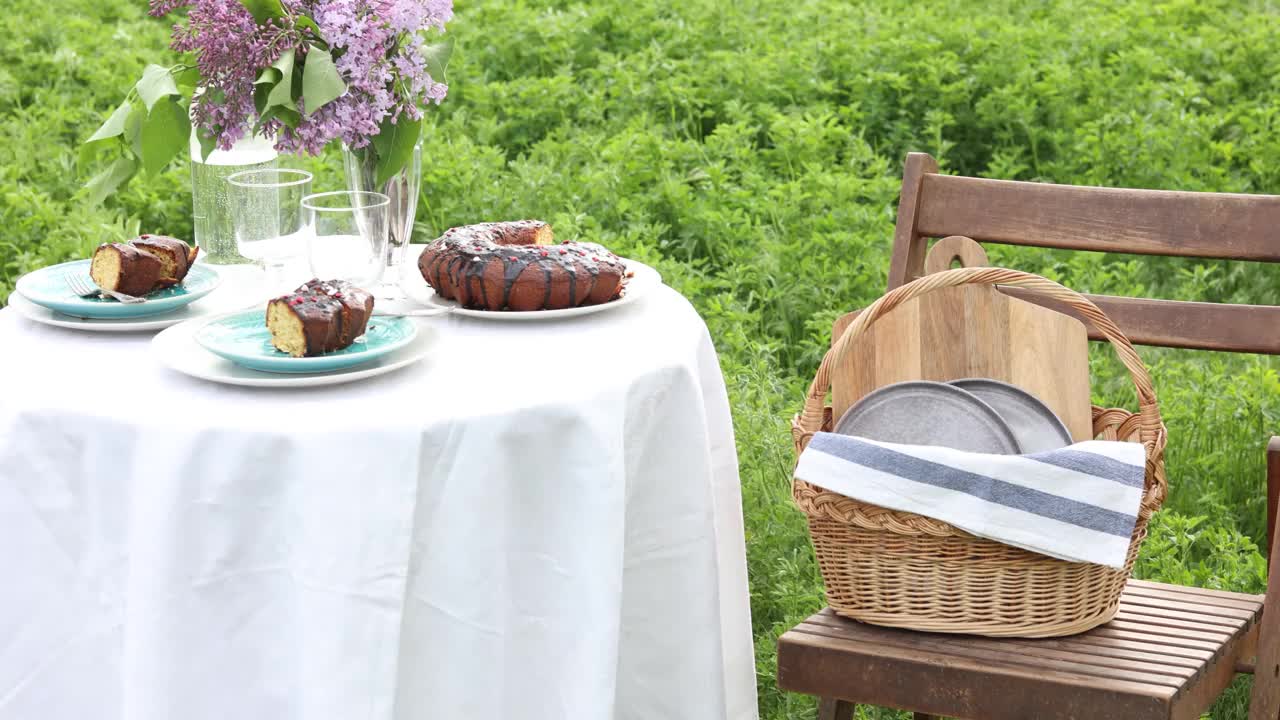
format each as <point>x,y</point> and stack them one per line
<point>990,489</point>
<point>1092,464</point>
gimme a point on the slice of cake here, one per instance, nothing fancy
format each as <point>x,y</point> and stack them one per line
<point>125,269</point>
<point>319,317</point>
<point>143,265</point>
<point>174,255</point>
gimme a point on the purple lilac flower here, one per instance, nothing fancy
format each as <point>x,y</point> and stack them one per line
<point>414,15</point>
<point>378,54</point>
<point>376,44</point>
<point>160,8</point>
<point>230,50</point>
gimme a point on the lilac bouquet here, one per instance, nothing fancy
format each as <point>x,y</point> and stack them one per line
<point>303,73</point>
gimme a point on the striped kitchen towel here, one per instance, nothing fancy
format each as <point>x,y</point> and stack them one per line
<point>1077,503</point>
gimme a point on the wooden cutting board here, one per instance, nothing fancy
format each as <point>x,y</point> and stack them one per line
<point>971,331</point>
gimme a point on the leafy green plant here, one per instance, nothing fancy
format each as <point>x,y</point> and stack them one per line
<point>148,129</point>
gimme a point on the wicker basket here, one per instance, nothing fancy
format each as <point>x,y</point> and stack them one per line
<point>901,569</point>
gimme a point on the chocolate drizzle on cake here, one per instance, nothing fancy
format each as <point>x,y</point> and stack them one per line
<point>513,266</point>
<point>319,317</point>
<point>143,265</point>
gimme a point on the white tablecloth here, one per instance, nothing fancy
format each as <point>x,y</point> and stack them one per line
<point>539,521</point>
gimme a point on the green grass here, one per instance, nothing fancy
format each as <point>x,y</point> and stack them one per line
<point>752,150</point>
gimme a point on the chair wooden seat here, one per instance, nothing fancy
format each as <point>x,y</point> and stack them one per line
<point>1169,652</point>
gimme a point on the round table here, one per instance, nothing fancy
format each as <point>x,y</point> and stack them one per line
<point>539,520</point>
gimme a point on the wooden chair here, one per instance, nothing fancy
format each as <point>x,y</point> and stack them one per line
<point>1171,650</point>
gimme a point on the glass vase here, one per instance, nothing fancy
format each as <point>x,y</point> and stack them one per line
<point>402,188</point>
<point>212,209</point>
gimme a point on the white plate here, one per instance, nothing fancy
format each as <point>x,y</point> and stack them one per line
<point>644,280</point>
<point>31,311</point>
<point>176,348</point>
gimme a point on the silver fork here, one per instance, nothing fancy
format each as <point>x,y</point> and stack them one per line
<point>85,287</point>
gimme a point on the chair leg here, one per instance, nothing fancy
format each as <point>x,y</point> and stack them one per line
<point>1264,701</point>
<point>833,709</point>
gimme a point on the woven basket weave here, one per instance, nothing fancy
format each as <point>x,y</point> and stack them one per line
<point>895,568</point>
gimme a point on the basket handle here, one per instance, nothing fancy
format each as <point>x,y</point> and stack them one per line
<point>1151,427</point>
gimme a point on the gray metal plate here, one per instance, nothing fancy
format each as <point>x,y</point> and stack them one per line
<point>921,412</point>
<point>1035,426</point>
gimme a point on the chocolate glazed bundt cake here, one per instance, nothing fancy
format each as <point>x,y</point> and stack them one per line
<point>145,264</point>
<point>319,317</point>
<point>514,266</point>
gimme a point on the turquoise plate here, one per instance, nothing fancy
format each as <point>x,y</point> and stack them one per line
<point>48,287</point>
<point>243,339</point>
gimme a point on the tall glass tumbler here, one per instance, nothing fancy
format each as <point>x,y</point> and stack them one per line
<point>347,236</point>
<point>267,217</point>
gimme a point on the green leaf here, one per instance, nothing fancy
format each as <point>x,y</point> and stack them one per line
<point>394,143</point>
<point>187,79</point>
<point>208,143</point>
<point>282,94</point>
<point>269,77</point>
<point>111,178</point>
<point>165,133</point>
<point>284,63</point>
<point>287,115</point>
<point>114,125</point>
<point>436,58</point>
<point>88,152</point>
<point>133,129</point>
<point>274,86</point>
<point>321,83</point>
<point>263,10</point>
<point>156,83</point>
<point>305,23</point>
<point>260,95</point>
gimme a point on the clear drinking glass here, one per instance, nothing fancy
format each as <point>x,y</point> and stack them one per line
<point>268,218</point>
<point>347,236</point>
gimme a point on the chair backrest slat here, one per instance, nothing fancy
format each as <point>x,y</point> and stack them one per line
<point>1190,325</point>
<point>1145,222</point>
